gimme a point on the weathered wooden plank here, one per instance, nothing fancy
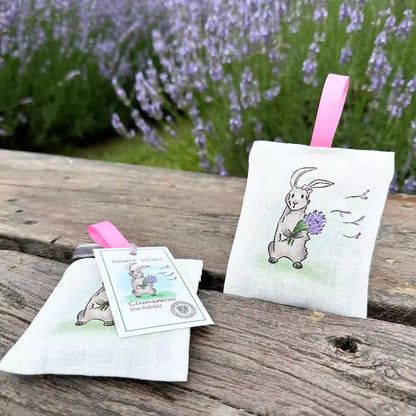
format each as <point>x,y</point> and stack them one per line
<point>47,201</point>
<point>260,358</point>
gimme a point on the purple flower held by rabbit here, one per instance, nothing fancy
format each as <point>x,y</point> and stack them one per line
<point>141,285</point>
<point>315,221</point>
<point>151,279</point>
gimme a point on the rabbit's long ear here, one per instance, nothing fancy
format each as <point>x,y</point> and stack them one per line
<point>297,174</point>
<point>143,267</point>
<point>320,183</point>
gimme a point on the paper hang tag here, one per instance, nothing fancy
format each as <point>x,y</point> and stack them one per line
<point>147,291</point>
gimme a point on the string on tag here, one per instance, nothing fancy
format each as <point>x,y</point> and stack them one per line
<point>330,109</point>
<point>107,235</point>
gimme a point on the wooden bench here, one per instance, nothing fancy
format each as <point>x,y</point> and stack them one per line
<point>260,358</point>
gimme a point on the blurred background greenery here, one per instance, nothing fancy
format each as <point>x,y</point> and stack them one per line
<point>190,84</point>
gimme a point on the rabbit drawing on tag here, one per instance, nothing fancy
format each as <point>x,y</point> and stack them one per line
<point>141,285</point>
<point>292,231</point>
<point>98,308</point>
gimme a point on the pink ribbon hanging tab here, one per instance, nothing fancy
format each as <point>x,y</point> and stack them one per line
<point>107,235</point>
<point>330,109</point>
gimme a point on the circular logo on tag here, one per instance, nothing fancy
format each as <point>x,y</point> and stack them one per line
<point>183,309</point>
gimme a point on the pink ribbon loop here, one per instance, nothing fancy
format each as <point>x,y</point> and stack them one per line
<point>107,235</point>
<point>330,109</point>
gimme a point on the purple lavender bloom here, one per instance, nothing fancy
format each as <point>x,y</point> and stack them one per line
<point>150,135</point>
<point>346,54</point>
<point>381,39</point>
<point>409,185</point>
<point>413,124</point>
<point>398,81</point>
<point>219,166</point>
<point>315,221</point>
<point>320,14</point>
<point>120,92</point>
<point>258,128</point>
<point>200,139</point>
<point>309,67</point>
<point>344,11</point>
<point>405,27</point>
<point>236,121</point>
<point>272,93</point>
<point>314,47</point>
<point>249,90</point>
<point>354,11</point>
<point>356,23</point>
<point>389,24</point>
<point>394,185</point>
<point>203,160</point>
<point>26,101</point>
<point>119,127</point>
<point>378,69</point>
<point>400,98</point>
<point>151,279</point>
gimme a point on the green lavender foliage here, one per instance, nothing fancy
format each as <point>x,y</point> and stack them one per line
<point>56,63</point>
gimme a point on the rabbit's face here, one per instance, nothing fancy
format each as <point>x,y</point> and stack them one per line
<point>297,199</point>
<point>137,274</point>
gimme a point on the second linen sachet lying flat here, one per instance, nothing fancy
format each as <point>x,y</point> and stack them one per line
<point>74,334</point>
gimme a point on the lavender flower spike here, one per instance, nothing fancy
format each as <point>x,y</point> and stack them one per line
<point>394,185</point>
<point>409,184</point>
<point>362,196</point>
<point>341,212</point>
<point>346,54</point>
<point>356,236</point>
<point>356,222</point>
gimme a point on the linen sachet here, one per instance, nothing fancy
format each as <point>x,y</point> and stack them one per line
<point>308,226</point>
<point>74,333</point>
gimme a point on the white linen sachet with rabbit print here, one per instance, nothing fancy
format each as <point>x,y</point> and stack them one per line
<point>74,333</point>
<point>308,226</point>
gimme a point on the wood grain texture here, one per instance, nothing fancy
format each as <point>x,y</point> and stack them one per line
<point>267,359</point>
<point>47,201</point>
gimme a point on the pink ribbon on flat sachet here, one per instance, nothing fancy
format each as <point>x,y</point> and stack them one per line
<point>330,109</point>
<point>107,235</point>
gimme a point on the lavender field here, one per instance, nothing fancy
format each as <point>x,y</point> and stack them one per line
<point>190,84</point>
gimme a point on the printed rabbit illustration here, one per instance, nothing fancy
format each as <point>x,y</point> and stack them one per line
<point>290,238</point>
<point>97,308</point>
<point>140,284</point>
